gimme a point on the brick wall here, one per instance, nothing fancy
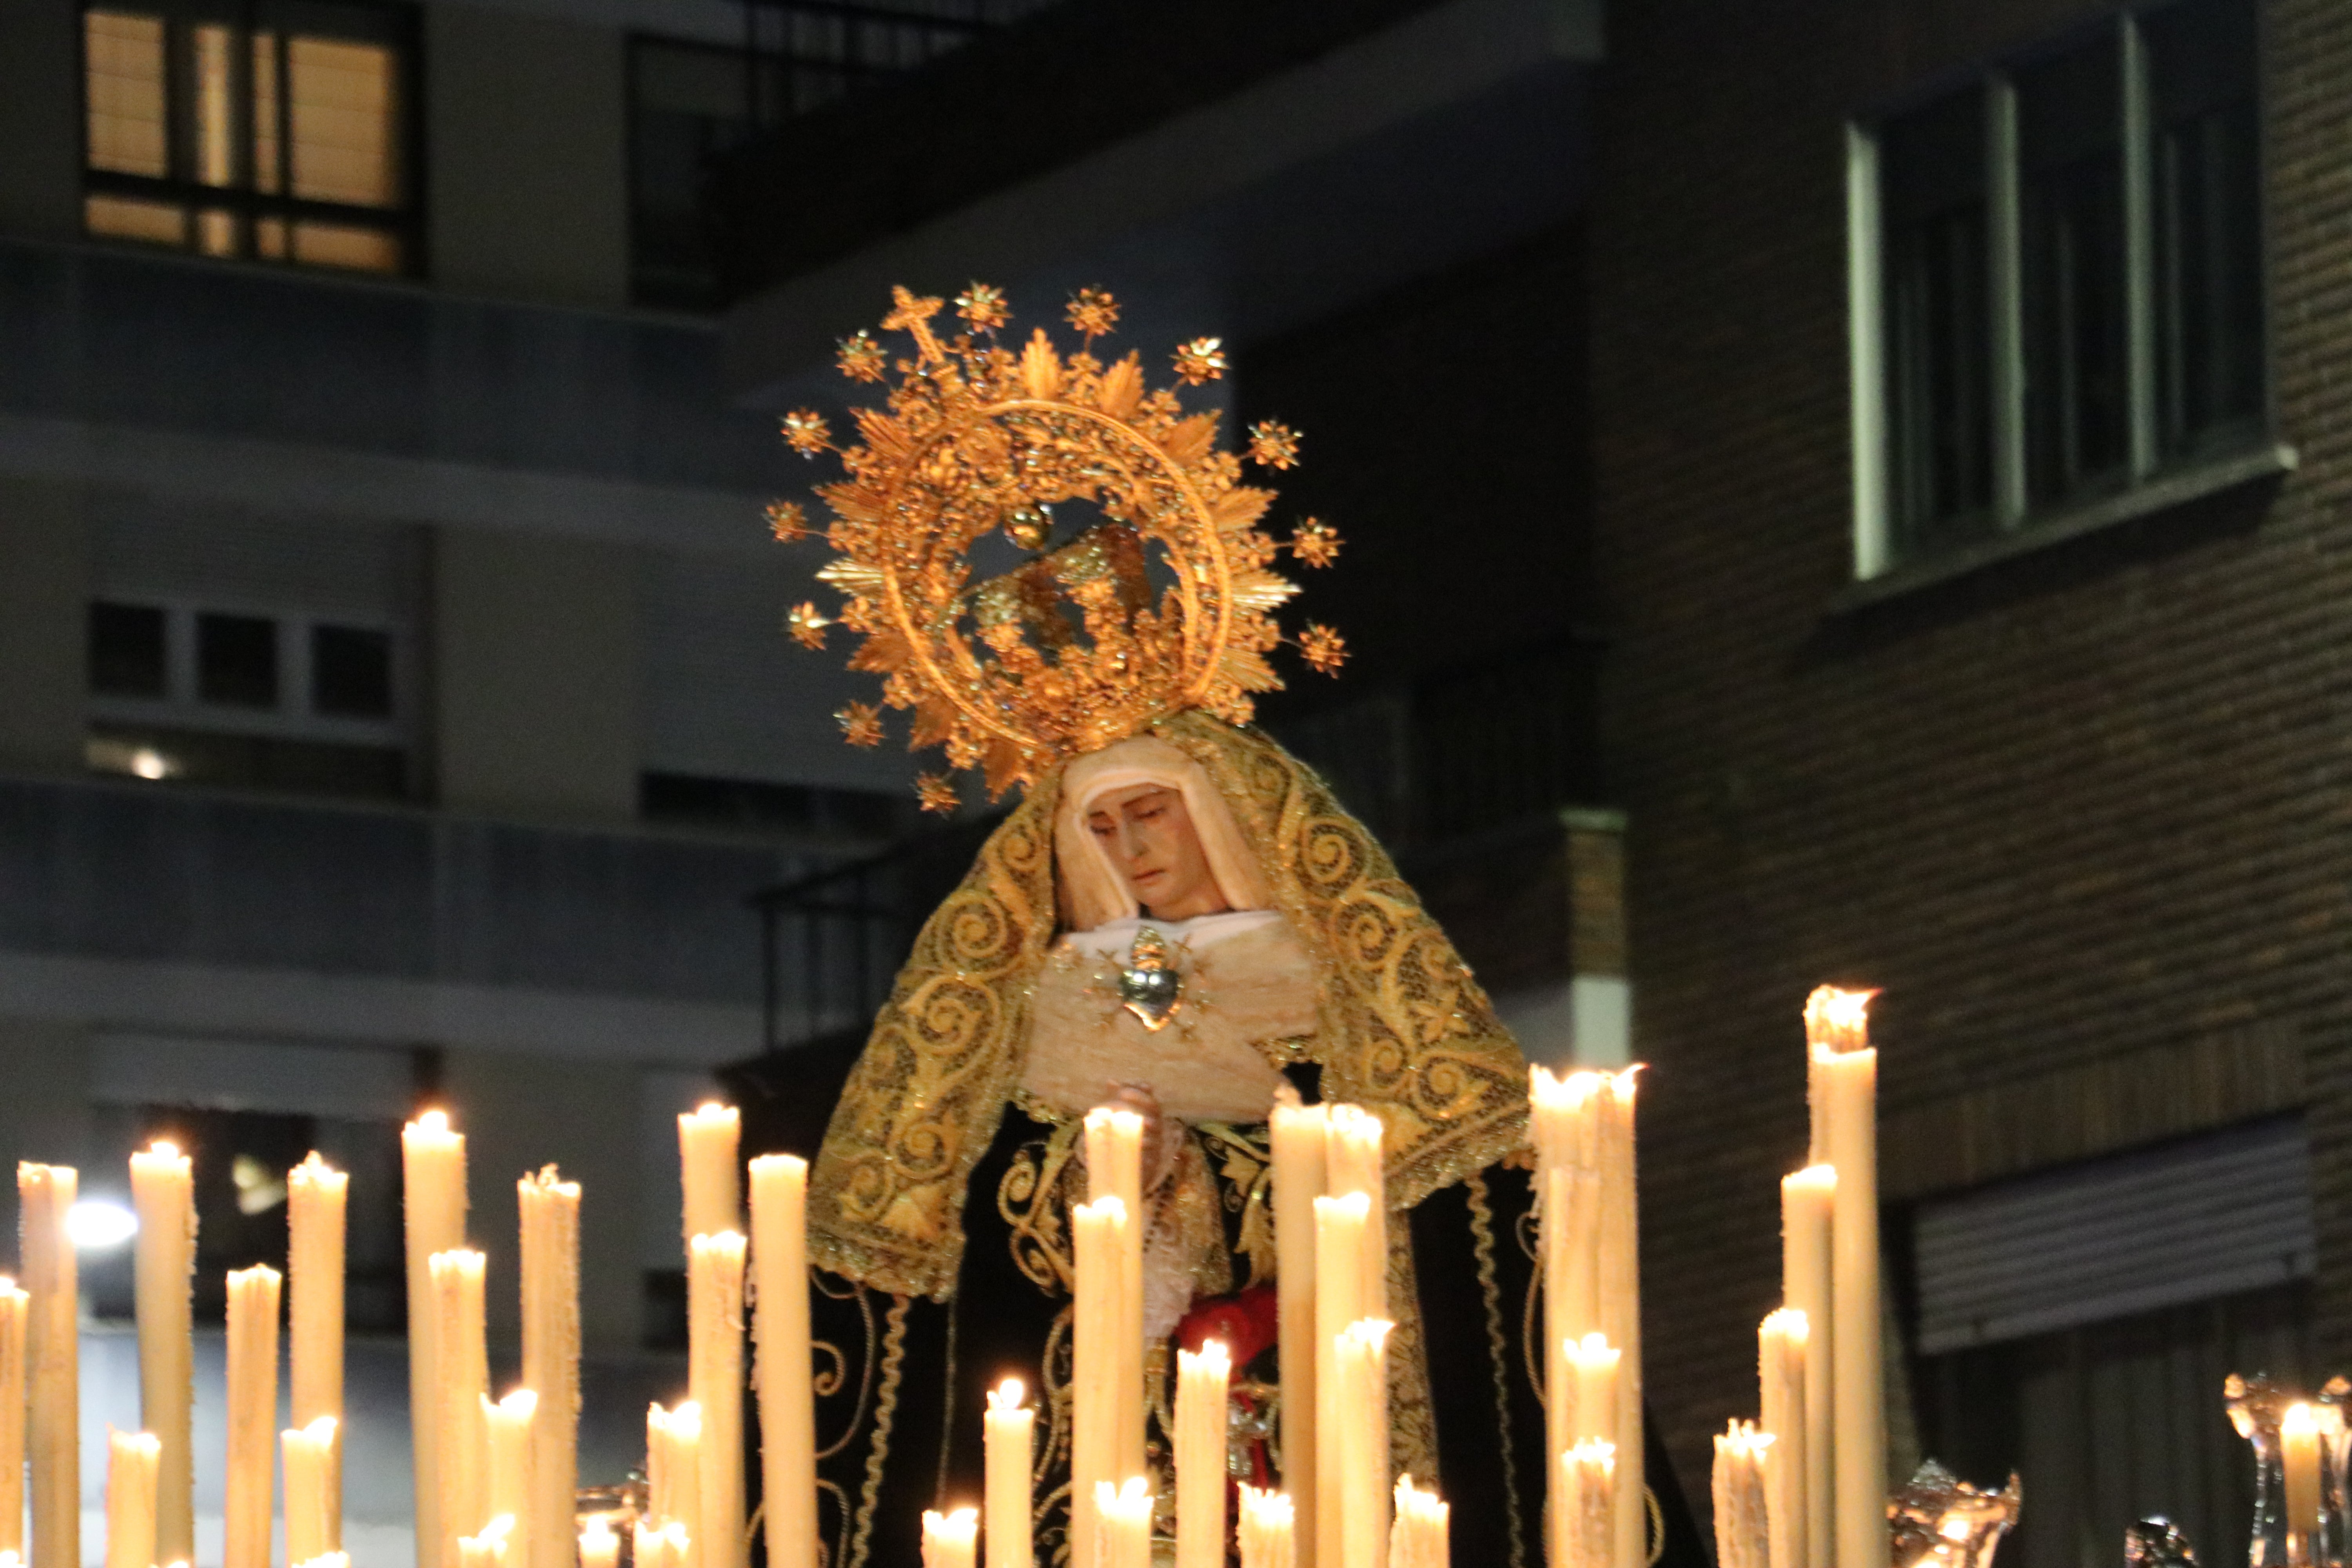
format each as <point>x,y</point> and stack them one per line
<point>2088,807</point>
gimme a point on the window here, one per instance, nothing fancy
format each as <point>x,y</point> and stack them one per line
<point>274,129</point>
<point>231,696</point>
<point>2057,281</point>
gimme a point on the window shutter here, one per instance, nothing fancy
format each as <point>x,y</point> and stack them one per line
<point>2201,1217</point>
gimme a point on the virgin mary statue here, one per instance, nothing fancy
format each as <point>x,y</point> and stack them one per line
<point>1176,918</point>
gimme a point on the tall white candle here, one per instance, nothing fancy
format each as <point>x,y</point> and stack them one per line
<point>708,1139</point>
<point>549,1211</point>
<point>599,1546</point>
<point>951,1540</point>
<point>313,1456</point>
<point>252,1295</point>
<point>1125,1513</point>
<point>1585,1522</point>
<point>490,1547</point>
<point>1009,1429</point>
<point>14,1305</point>
<point>1847,1069</point>
<point>1115,1169</point>
<point>1098,1237</point>
<point>1781,1357</point>
<point>786,1374</point>
<point>506,1425</point>
<point>1352,1164</point>
<point>131,1459</point>
<point>1361,1375</point>
<point>316,1197</point>
<point>1202,1382</point>
<point>1808,1198</point>
<point>649,1548</point>
<point>715,1351</point>
<point>162,1189</point>
<point>678,1438</point>
<point>45,1194</point>
<point>1620,1290</point>
<point>1269,1531</point>
<point>433,1198</point>
<point>1340,1226</point>
<point>1299,1135</point>
<point>461,1348</point>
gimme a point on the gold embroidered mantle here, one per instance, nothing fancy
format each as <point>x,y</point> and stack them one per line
<point>1403,1029</point>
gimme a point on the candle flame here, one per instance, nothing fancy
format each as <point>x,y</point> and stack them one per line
<point>712,1110</point>
<point>1358,1206</point>
<point>1838,1020</point>
<point>163,1149</point>
<point>2300,1419</point>
<point>1371,1333</point>
<point>435,1122</point>
<point>520,1405</point>
<point>1821,1178</point>
<point>598,1533</point>
<point>1789,1323</point>
<point>1212,1356</point>
<point>1007,1396</point>
<point>1592,1454</point>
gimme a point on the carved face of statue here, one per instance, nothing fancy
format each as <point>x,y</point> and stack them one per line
<point>1149,835</point>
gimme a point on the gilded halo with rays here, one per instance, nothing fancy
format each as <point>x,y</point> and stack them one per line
<point>1164,601</point>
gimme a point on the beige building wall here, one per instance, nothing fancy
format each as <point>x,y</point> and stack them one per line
<point>519,1113</point>
<point>44,618</point>
<point>526,144</point>
<point>40,171</point>
<point>534,655</point>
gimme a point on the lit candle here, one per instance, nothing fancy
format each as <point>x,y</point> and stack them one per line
<point>786,1375</point>
<point>1845,1074</point>
<point>488,1548</point>
<point>1352,1164</point>
<point>707,1141</point>
<point>1361,1374</point>
<point>1200,1390</point>
<point>1340,1224</point>
<point>648,1547</point>
<point>432,1196</point>
<point>951,1540</point>
<point>1592,1386</point>
<point>130,1466</point>
<point>1418,1537</point>
<point>1125,1513</point>
<point>327,1560</point>
<point>1299,1135</point>
<point>1267,1535</point>
<point>45,1194</point>
<point>13,1307</point>
<point>162,1189</point>
<point>507,1426</point>
<point>1585,1522</point>
<point>1808,1198</point>
<point>1619,1288</point>
<point>599,1546</point>
<point>252,1415</point>
<point>1741,1535</point>
<point>676,1446</point>
<point>2299,1458</point>
<point>461,1349</point>
<point>1009,1429</point>
<point>1563,1121</point>
<point>714,1377</point>
<point>1780,1365</point>
<point>1098,1237</point>
<point>312,1456</point>
<point>550,1209</point>
<point>1115,1169</point>
<point>315,1203</point>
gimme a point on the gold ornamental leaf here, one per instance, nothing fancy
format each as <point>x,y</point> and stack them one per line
<point>1040,368</point>
<point>1005,766</point>
<point>885,436</point>
<point>1241,505</point>
<point>934,722</point>
<point>881,653</point>
<point>1122,387</point>
<point>1191,440</point>
<point>852,577</point>
<point>1262,590</point>
<point>1247,670</point>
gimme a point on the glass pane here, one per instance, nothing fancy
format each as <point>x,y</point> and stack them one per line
<point>2078,379</point>
<point>123,65</point>
<point>236,660</point>
<point>267,151</point>
<point>351,672</point>
<point>127,655</point>
<point>1939,344</point>
<point>216,233</point>
<point>269,237</point>
<point>341,96</point>
<point>2209,307</point>
<point>126,217</point>
<point>213,47</point>
<point>342,245</point>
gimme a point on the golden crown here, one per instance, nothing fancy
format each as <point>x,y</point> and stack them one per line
<point>1093,628</point>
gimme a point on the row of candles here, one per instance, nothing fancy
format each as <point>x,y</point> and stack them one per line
<point>496,1480</point>
<point>1807,1487</point>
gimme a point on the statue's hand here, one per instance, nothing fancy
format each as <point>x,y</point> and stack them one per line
<point>1140,1099</point>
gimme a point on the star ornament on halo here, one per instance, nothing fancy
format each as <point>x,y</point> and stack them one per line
<point>935,794</point>
<point>806,624</point>
<point>1314,543</point>
<point>787,522</point>
<point>1201,361</point>
<point>983,306</point>
<point>806,432</point>
<point>1274,445</point>
<point>861,724</point>
<point>1324,649</point>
